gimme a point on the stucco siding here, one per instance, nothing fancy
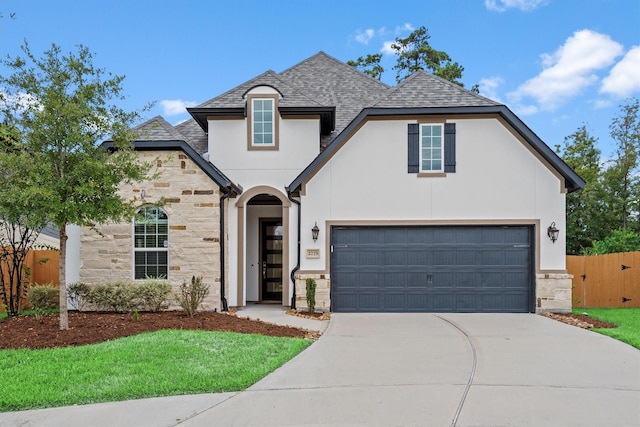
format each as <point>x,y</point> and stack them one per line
<point>497,178</point>
<point>299,144</point>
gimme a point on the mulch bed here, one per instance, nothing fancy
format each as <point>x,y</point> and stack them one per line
<point>94,327</point>
<point>580,320</point>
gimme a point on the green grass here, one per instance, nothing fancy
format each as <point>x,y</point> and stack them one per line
<point>164,363</point>
<point>627,319</point>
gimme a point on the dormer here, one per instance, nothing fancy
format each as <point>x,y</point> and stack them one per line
<point>263,118</point>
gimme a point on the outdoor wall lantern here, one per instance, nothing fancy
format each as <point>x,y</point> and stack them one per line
<point>553,232</point>
<point>314,232</point>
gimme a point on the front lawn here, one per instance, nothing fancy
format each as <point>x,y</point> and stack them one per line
<point>627,319</point>
<point>163,363</point>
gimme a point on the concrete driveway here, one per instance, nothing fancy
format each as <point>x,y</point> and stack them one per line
<point>413,370</point>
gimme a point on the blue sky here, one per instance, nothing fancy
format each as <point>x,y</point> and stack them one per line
<point>558,64</point>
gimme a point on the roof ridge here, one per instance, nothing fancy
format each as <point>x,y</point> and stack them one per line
<point>270,73</point>
<point>341,63</point>
<point>422,73</point>
<point>469,92</point>
<point>161,122</point>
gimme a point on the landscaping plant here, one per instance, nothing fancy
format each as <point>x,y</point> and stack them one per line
<point>78,295</point>
<point>192,294</point>
<point>43,298</point>
<point>311,294</point>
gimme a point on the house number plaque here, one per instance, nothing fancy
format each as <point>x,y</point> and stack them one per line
<point>313,253</point>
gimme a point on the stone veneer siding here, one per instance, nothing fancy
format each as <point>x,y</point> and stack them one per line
<point>323,298</point>
<point>553,292</point>
<point>192,202</point>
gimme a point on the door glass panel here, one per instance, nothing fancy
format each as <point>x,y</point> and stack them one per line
<point>271,259</point>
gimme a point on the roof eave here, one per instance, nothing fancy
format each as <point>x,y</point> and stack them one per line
<point>201,115</point>
<point>225,184</point>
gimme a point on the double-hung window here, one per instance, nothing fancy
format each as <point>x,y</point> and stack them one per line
<point>263,122</point>
<point>431,148</point>
<point>151,241</point>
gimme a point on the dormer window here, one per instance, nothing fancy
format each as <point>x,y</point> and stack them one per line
<point>262,115</point>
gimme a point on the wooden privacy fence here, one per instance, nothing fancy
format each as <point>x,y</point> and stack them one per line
<point>43,267</point>
<point>611,280</point>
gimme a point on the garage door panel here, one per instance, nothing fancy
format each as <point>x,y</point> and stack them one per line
<point>419,302</point>
<point>432,269</point>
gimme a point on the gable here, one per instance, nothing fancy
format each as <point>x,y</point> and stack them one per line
<point>572,182</point>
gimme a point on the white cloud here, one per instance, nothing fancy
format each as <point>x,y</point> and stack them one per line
<point>489,87</point>
<point>173,107</point>
<point>624,78</point>
<point>364,36</point>
<point>503,5</point>
<point>386,48</point>
<point>569,70</point>
<point>406,27</point>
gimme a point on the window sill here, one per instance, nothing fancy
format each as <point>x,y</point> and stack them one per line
<point>431,174</point>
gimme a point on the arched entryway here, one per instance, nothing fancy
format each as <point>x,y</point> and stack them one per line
<point>263,246</point>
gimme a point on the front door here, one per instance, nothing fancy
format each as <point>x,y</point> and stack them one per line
<point>271,259</point>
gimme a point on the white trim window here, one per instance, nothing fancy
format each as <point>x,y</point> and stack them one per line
<point>263,129</point>
<point>431,148</point>
<point>151,242</point>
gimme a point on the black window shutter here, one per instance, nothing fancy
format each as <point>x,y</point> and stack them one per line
<point>449,147</point>
<point>413,136</point>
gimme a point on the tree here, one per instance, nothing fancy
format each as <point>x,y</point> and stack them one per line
<point>63,105</point>
<point>584,208</point>
<point>414,53</point>
<point>620,180</point>
<point>369,65</point>
<point>618,241</point>
<point>20,220</point>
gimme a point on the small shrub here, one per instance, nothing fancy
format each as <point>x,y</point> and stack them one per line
<point>78,295</point>
<point>311,294</point>
<point>192,294</point>
<point>117,296</point>
<point>154,294</point>
<point>44,297</point>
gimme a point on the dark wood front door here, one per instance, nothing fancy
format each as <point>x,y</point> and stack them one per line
<point>271,259</point>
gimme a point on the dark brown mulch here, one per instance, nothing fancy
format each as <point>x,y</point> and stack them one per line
<point>92,327</point>
<point>580,320</point>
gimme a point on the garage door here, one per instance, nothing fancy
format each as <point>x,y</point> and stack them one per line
<point>432,269</point>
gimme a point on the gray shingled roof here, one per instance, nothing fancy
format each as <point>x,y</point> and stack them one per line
<point>335,83</point>
<point>157,129</point>
<point>194,135</point>
<point>291,97</point>
<point>422,89</point>
<point>321,81</point>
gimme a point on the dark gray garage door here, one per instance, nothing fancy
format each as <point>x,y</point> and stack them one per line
<point>432,269</point>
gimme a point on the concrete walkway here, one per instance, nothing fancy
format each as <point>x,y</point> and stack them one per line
<point>411,370</point>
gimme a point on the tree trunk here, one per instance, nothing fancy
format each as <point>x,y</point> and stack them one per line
<point>64,315</point>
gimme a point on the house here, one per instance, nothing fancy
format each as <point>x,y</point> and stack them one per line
<point>420,197</point>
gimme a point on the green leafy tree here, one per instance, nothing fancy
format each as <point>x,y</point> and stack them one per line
<point>586,220</point>
<point>20,219</point>
<point>414,53</point>
<point>621,179</point>
<point>369,65</point>
<point>62,106</point>
<point>618,241</point>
